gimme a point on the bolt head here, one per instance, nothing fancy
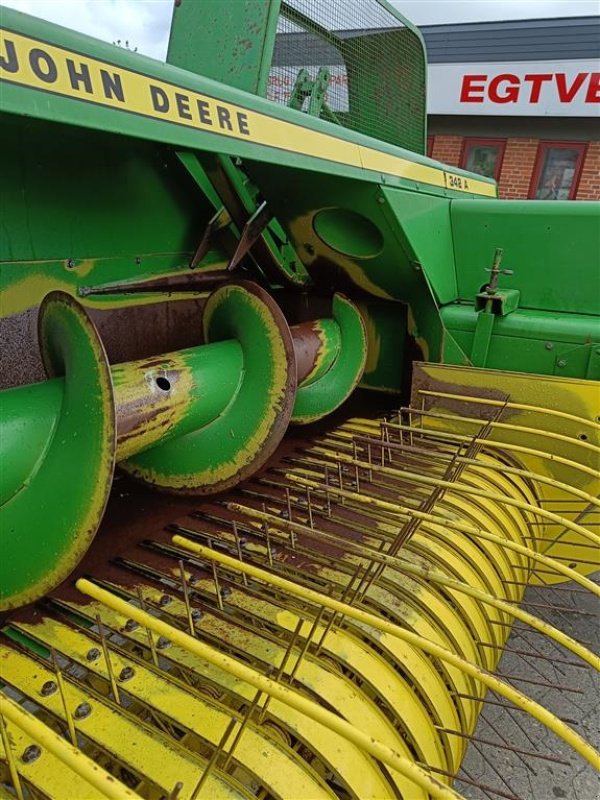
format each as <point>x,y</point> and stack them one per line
<point>163,643</point>
<point>126,673</point>
<point>196,614</point>
<point>131,625</point>
<point>82,711</point>
<point>165,600</point>
<point>93,654</point>
<point>549,346</point>
<point>31,753</point>
<point>48,688</point>
<point>562,363</point>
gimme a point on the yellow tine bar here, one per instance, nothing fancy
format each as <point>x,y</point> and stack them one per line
<point>70,756</point>
<point>286,695</point>
<point>469,490</point>
<point>488,401</point>
<point>433,433</point>
<point>398,563</point>
<point>406,512</point>
<point>510,693</point>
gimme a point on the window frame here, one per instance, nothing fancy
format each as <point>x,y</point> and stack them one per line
<point>430,143</point>
<point>543,147</point>
<point>475,141</point>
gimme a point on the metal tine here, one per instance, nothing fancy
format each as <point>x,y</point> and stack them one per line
<point>491,725</point>
<point>503,746</point>
<point>343,598</point>
<point>282,666</point>
<point>238,545</point>
<point>288,503</point>
<point>307,642</point>
<point>356,475</point>
<point>149,635</point>
<point>309,507</point>
<point>212,761</point>
<point>267,536</point>
<point>509,708</point>
<point>175,791</point>
<point>546,683</point>
<point>238,736</point>
<point>111,675</point>
<point>340,481</point>
<point>61,688</point>
<point>186,599</point>
<point>372,573</point>
<point>327,495</point>
<point>10,758</point>
<point>483,786</point>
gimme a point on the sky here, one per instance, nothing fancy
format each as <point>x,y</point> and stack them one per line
<point>145,23</point>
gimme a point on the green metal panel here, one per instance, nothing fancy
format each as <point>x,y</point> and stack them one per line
<point>552,247</point>
<point>230,42</point>
<point>531,341</point>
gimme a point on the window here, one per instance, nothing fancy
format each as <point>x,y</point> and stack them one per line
<point>430,146</point>
<point>483,156</point>
<point>557,170</point>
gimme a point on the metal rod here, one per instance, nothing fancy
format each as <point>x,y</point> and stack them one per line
<point>327,495</point>
<point>309,507</point>
<point>10,758</point>
<point>469,781</point>
<point>186,598</point>
<point>242,728</point>
<point>282,666</point>
<point>63,697</point>
<point>504,746</point>
<point>238,545</point>
<point>217,752</point>
<point>111,675</point>
<point>149,636</point>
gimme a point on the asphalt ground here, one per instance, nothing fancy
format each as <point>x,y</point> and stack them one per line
<point>574,695</point>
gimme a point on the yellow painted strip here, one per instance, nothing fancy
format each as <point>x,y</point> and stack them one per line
<point>38,65</point>
<point>83,779</point>
<point>522,701</point>
<point>288,696</point>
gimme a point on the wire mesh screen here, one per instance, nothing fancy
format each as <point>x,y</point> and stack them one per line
<point>352,62</point>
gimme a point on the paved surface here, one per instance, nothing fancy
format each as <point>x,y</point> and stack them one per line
<point>577,700</point>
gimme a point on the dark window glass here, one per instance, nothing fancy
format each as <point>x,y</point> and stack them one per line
<point>484,159</point>
<point>557,174</point>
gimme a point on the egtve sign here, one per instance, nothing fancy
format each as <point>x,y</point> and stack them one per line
<point>532,88</point>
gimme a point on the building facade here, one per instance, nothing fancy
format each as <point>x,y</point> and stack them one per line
<point>518,101</point>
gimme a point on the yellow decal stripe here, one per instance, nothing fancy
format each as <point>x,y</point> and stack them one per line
<point>38,65</point>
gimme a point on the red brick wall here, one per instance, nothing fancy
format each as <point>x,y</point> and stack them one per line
<point>518,165</point>
<point>447,149</point>
<point>517,168</point>
<point>589,184</point>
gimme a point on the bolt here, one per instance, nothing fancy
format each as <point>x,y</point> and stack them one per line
<point>31,753</point>
<point>163,643</point>
<point>549,346</point>
<point>165,600</point>
<point>138,260</point>
<point>82,711</point>
<point>225,592</point>
<point>70,263</point>
<point>562,363</point>
<point>93,654</point>
<point>381,200</point>
<point>131,625</point>
<point>48,688</point>
<point>126,673</point>
<point>197,614</point>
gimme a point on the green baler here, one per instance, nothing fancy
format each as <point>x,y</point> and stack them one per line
<point>212,256</point>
